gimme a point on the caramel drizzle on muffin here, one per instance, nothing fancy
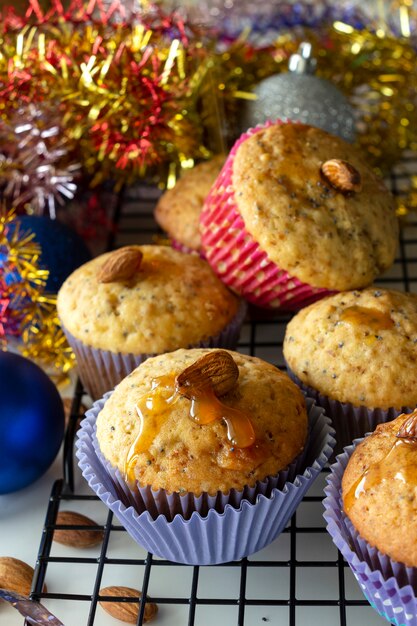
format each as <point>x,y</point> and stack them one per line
<point>215,374</point>
<point>406,440</point>
<point>374,319</point>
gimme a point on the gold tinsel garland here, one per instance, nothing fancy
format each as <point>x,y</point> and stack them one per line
<point>127,92</point>
<point>376,73</point>
<point>156,90</point>
<point>28,315</point>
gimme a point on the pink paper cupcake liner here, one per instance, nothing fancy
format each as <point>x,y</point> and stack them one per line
<point>390,587</point>
<point>237,258</point>
<point>205,530</point>
<point>349,421</point>
<point>186,249</point>
<point>101,370</point>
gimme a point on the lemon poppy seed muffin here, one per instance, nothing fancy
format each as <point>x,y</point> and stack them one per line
<point>172,300</point>
<point>203,454</point>
<point>178,210</point>
<point>168,450</point>
<point>356,352</point>
<point>370,510</point>
<point>352,236</point>
<point>166,300</point>
<point>296,213</point>
<point>358,347</point>
<point>379,489</point>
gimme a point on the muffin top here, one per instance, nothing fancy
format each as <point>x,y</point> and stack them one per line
<point>171,300</point>
<point>379,489</point>
<point>338,230</point>
<point>145,429</point>
<point>358,347</point>
<point>178,210</point>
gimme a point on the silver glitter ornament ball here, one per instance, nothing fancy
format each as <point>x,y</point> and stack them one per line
<point>298,95</point>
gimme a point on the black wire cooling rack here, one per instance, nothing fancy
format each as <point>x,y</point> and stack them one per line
<point>300,579</point>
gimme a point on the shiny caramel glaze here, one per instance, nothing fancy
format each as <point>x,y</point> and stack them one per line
<point>373,319</point>
<point>379,490</point>
<point>389,467</point>
<point>151,409</point>
<point>205,408</point>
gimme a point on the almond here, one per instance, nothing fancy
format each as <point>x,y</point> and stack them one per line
<point>126,611</point>
<point>408,429</point>
<point>15,575</point>
<point>216,369</point>
<point>121,265</point>
<point>341,175</point>
<point>77,538</point>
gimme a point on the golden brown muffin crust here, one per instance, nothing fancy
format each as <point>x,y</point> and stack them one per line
<point>383,474</point>
<point>178,210</point>
<point>186,456</point>
<point>173,300</point>
<point>358,347</point>
<point>318,234</point>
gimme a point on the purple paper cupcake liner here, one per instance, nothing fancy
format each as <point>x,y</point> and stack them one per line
<point>229,526</point>
<point>349,421</point>
<point>159,502</point>
<point>389,586</point>
<point>101,370</point>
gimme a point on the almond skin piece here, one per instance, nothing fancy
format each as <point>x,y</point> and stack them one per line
<point>15,575</point>
<point>216,370</point>
<point>121,265</point>
<point>408,429</point>
<point>126,611</point>
<point>341,175</point>
<point>77,538</point>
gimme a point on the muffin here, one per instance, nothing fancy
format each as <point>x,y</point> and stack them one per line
<point>137,301</point>
<point>371,513</point>
<point>295,214</point>
<point>355,354</point>
<point>196,447</point>
<point>379,489</point>
<point>178,210</point>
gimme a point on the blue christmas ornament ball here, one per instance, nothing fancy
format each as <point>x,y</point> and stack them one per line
<point>62,249</point>
<point>31,422</point>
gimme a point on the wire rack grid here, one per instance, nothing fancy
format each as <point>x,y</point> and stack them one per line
<point>300,579</point>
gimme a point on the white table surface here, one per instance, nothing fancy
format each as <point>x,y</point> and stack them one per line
<point>22,516</point>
